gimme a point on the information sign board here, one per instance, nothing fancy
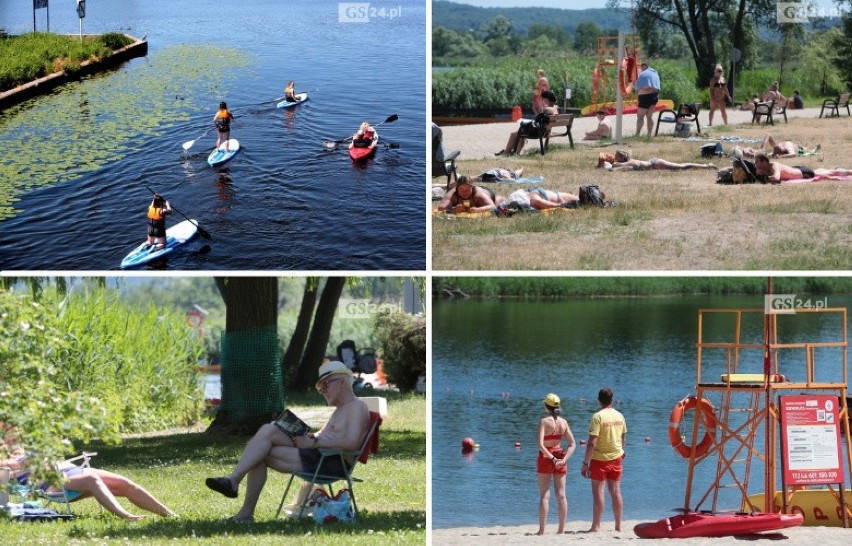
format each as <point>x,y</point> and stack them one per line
<point>810,440</point>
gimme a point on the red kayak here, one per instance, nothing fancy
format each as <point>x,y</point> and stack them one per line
<point>716,525</point>
<point>358,153</point>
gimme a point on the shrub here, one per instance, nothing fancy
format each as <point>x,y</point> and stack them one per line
<point>115,40</point>
<point>402,341</point>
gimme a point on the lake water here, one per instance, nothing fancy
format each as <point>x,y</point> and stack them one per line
<point>74,165</point>
<point>494,361</point>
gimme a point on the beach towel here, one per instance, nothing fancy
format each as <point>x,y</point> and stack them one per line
<point>817,179</point>
<point>526,180</point>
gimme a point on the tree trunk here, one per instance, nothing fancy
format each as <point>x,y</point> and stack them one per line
<point>249,355</point>
<point>314,353</point>
<point>293,356</point>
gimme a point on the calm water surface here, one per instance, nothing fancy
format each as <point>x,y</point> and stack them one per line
<point>78,160</point>
<point>494,361</point>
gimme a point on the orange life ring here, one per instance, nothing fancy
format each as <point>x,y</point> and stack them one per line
<point>677,441</point>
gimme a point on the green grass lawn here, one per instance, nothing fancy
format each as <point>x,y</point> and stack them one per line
<point>391,499</point>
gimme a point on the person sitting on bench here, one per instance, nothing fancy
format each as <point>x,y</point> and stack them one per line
<point>517,140</point>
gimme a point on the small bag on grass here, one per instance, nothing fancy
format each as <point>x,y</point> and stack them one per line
<point>331,509</point>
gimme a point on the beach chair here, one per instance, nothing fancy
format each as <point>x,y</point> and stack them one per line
<point>25,489</point>
<point>443,164</point>
<point>834,105</point>
<point>369,445</point>
<point>685,113</point>
<point>764,109</point>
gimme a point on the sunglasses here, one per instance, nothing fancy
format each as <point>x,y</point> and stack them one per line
<point>324,385</point>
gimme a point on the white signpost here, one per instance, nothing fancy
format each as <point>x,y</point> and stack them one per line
<point>81,13</point>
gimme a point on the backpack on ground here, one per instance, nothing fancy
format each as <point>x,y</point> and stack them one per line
<point>744,171</point>
<point>712,150</point>
<point>592,196</point>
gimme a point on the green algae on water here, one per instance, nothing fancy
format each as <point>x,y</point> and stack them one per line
<point>85,125</point>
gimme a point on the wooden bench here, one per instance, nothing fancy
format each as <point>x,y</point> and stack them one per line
<point>556,122</point>
<point>834,105</point>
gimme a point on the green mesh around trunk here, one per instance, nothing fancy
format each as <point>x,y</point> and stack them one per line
<point>251,373</point>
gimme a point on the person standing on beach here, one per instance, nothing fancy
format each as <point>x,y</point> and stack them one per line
<point>603,460</point>
<point>541,85</point>
<point>553,461</point>
<point>647,87</point>
<point>718,95</point>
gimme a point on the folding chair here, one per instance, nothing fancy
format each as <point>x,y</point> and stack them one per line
<point>369,445</point>
<point>686,112</point>
<point>65,496</point>
<point>764,109</point>
<point>443,164</point>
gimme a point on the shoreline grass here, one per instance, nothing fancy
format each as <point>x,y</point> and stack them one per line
<point>31,56</point>
<point>392,498</point>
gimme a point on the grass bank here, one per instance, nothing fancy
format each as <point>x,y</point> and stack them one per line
<point>31,56</point>
<point>392,498</point>
<point>666,220</point>
<point>556,287</point>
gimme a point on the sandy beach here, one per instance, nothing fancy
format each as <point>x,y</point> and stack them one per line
<point>525,534</point>
<point>482,140</point>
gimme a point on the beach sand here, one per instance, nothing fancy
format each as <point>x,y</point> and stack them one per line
<point>575,534</point>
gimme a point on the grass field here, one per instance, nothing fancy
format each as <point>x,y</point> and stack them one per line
<point>666,220</point>
<point>392,498</point>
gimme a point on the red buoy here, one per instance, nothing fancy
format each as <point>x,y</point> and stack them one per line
<point>468,445</point>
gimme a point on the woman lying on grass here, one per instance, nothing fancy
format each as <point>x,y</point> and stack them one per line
<point>623,162</point>
<point>81,482</point>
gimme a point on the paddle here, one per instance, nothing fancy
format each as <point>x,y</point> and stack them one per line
<point>201,230</point>
<point>190,143</point>
<point>332,144</point>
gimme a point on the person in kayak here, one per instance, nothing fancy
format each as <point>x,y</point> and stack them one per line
<point>290,92</point>
<point>366,137</point>
<point>222,121</point>
<point>157,212</point>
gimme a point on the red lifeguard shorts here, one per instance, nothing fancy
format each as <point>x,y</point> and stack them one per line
<point>605,470</point>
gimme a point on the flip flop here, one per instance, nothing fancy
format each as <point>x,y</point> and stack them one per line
<point>221,485</point>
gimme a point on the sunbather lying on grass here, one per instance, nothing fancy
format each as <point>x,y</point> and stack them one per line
<point>785,148</point>
<point>777,172</point>
<point>540,199</point>
<point>623,162</point>
<point>468,197</point>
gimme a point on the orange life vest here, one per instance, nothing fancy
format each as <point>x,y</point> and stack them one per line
<point>223,120</point>
<point>156,214</point>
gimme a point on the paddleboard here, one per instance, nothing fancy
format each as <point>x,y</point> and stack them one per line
<point>628,107</point>
<point>358,154</point>
<point>220,157</point>
<point>176,236</point>
<point>287,104</point>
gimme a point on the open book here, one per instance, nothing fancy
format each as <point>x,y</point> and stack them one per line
<point>291,425</point>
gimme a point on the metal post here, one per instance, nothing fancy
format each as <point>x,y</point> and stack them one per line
<point>619,99</point>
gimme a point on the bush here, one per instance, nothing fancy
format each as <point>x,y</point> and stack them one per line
<point>115,40</point>
<point>402,341</point>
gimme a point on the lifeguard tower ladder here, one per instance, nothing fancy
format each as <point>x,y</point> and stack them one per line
<point>741,376</point>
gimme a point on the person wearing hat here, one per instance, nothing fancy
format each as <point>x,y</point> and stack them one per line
<point>517,139</point>
<point>603,460</point>
<point>552,461</point>
<point>272,448</point>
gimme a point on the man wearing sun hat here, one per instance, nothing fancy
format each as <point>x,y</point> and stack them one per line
<point>272,448</point>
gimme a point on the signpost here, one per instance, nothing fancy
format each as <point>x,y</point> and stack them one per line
<point>81,13</point>
<point>810,442</point>
<point>38,4</point>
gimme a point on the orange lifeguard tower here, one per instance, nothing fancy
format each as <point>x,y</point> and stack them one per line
<point>735,428</point>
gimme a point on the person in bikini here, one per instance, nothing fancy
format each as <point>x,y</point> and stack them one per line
<point>778,172</point>
<point>272,448</point>
<point>366,137</point>
<point>468,197</point>
<point>785,148</point>
<point>540,199</point>
<point>552,461</point>
<point>718,95</point>
<point>623,162</point>
<point>80,482</point>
